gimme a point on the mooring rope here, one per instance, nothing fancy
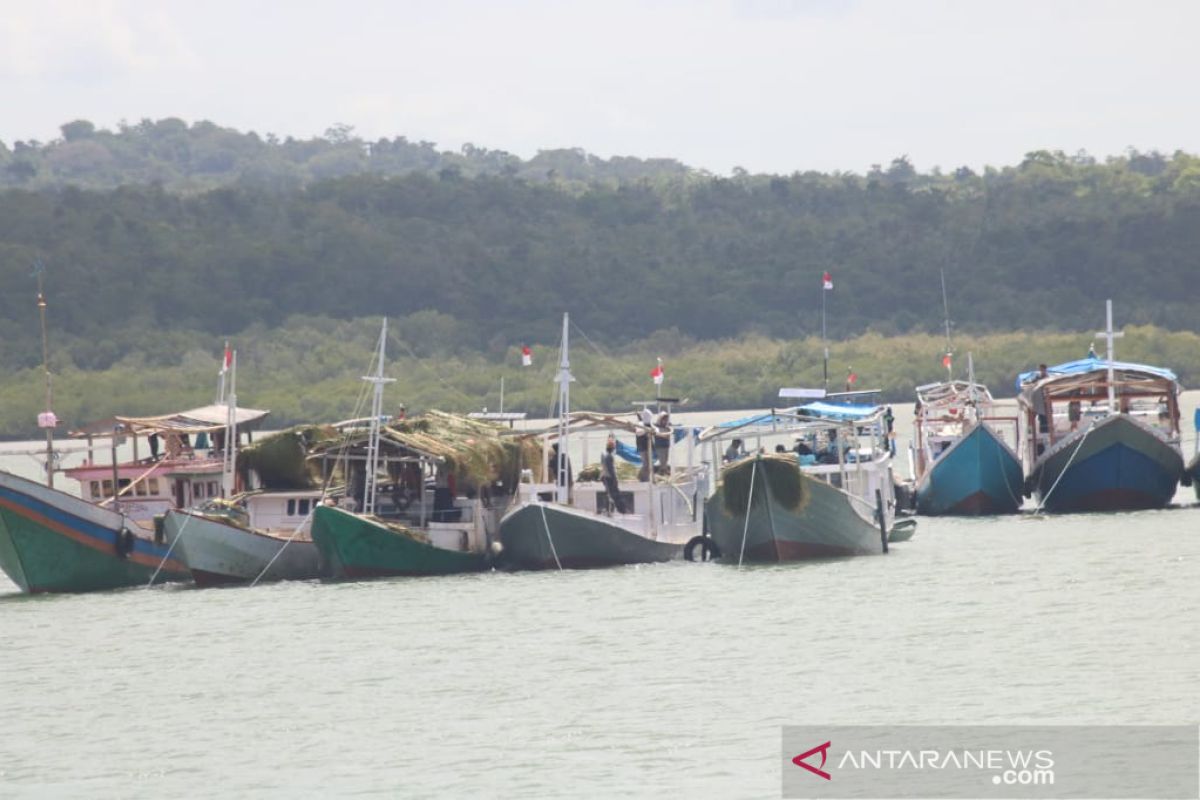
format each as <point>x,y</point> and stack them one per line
<point>749,501</point>
<point>549,538</point>
<point>167,554</point>
<point>279,552</point>
<point>1046,496</point>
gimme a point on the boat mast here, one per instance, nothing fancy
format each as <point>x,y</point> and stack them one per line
<point>824,340</point>
<point>561,489</point>
<point>971,385</point>
<point>46,419</point>
<point>1108,334</point>
<point>946,319</point>
<point>229,457</point>
<point>377,380</point>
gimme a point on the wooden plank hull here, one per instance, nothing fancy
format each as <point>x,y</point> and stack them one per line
<point>354,546</point>
<point>977,475</point>
<point>219,553</point>
<point>51,541</point>
<point>1121,465</point>
<point>546,536</point>
<point>819,522</point>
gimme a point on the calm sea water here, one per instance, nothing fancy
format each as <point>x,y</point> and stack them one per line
<point>667,680</point>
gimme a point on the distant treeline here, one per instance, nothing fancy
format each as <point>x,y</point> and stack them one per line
<point>309,370</point>
<point>161,239</point>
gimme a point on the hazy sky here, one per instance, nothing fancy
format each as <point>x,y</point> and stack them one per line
<point>769,85</point>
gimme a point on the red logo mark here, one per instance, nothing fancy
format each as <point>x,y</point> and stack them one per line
<point>823,749</point>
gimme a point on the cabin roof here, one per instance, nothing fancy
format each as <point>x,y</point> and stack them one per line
<point>204,419</point>
<point>1085,366</point>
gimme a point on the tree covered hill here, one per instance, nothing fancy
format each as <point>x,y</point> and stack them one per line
<point>479,263</point>
<point>203,156</point>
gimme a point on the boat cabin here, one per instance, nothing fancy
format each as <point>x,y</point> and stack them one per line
<point>180,463</point>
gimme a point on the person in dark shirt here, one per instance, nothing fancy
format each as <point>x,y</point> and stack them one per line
<point>608,476</point>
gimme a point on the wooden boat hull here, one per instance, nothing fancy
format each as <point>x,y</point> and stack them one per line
<point>977,475</point>
<point>545,536</point>
<point>1120,465</point>
<point>354,546</point>
<point>51,541</point>
<point>819,522</point>
<point>219,553</point>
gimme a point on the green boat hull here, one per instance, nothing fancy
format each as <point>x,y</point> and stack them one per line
<point>545,536</point>
<point>814,520</point>
<point>354,546</point>
<point>51,541</point>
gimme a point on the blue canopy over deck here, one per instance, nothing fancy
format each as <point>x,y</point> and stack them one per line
<point>1086,365</point>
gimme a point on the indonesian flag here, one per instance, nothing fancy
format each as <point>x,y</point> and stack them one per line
<point>946,361</point>
<point>526,356</point>
<point>851,378</point>
<point>228,362</point>
<point>827,281</point>
<point>657,373</point>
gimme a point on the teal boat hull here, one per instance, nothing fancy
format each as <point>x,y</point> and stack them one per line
<point>977,475</point>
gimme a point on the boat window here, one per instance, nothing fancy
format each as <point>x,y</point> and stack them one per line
<point>108,488</point>
<point>124,484</point>
<point>291,508</point>
<point>213,489</point>
<point>198,490</point>
<point>153,488</point>
<point>304,507</point>
<point>140,489</point>
<point>95,488</point>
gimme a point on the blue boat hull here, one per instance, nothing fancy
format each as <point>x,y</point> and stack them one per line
<point>977,475</point>
<point>1118,465</point>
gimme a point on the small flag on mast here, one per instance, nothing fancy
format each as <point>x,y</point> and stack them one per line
<point>946,361</point>
<point>228,362</point>
<point>657,373</point>
<point>827,281</point>
<point>526,356</point>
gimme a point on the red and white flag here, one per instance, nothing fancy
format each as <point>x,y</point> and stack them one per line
<point>946,361</point>
<point>657,373</point>
<point>851,379</point>
<point>827,281</point>
<point>228,362</point>
<point>526,356</point>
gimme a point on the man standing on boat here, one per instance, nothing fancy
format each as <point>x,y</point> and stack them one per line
<point>608,476</point>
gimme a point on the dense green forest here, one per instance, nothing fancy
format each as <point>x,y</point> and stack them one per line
<point>161,239</point>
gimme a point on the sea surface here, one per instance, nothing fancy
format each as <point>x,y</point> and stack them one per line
<point>669,680</point>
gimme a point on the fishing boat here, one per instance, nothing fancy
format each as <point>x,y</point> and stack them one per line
<point>1101,435</point>
<point>52,541</point>
<point>251,538</point>
<point>584,525</point>
<point>448,480</point>
<point>262,534</point>
<point>1191,473</point>
<point>831,495</point>
<point>962,463</point>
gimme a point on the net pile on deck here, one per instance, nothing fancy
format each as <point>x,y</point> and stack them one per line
<point>781,473</point>
<point>281,460</point>
<point>479,453</point>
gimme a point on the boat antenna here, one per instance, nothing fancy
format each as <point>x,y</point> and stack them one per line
<point>46,419</point>
<point>561,479</point>
<point>946,319</point>
<point>377,382</point>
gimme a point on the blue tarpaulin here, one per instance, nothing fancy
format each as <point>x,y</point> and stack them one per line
<point>838,411</point>
<point>1085,365</point>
